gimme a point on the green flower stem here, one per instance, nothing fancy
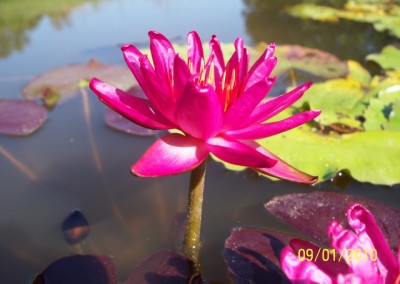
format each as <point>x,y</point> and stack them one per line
<point>195,204</point>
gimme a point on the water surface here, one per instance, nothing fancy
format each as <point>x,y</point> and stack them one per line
<point>131,217</point>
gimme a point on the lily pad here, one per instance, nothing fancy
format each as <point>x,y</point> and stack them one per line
<point>64,81</point>
<point>359,101</point>
<point>368,156</point>
<point>79,269</point>
<point>388,58</point>
<point>383,16</point>
<point>314,61</point>
<point>311,213</point>
<point>118,122</point>
<point>252,256</point>
<point>164,267</point>
<point>21,118</point>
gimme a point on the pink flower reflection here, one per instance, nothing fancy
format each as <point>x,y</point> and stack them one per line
<point>218,107</point>
<point>362,255</point>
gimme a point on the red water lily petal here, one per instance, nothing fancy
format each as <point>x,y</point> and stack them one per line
<point>238,153</point>
<point>257,86</point>
<point>195,53</point>
<point>272,107</point>
<point>342,240</point>
<point>181,76</point>
<point>132,58</point>
<point>281,169</point>
<point>239,112</point>
<point>217,56</point>
<point>260,131</point>
<point>199,112</point>
<point>331,265</point>
<point>163,55</point>
<point>363,223</point>
<point>169,155</point>
<point>260,73</point>
<point>268,53</point>
<point>301,271</point>
<point>158,92</point>
<point>243,59</point>
<point>133,108</point>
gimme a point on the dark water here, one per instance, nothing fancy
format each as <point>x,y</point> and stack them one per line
<point>130,217</point>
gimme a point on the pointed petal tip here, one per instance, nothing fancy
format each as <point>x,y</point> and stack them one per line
<point>93,83</point>
<point>153,33</point>
<point>125,47</point>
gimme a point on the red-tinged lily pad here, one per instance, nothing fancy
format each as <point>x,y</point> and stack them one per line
<point>253,256</point>
<point>314,61</point>
<point>86,269</point>
<point>18,117</point>
<point>65,81</point>
<point>311,213</point>
<point>164,267</point>
<point>120,123</point>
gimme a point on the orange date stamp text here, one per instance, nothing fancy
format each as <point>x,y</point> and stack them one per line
<point>328,255</point>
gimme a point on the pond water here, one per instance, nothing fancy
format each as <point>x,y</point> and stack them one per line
<point>132,217</point>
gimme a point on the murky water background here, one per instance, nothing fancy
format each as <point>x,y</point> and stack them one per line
<point>131,217</point>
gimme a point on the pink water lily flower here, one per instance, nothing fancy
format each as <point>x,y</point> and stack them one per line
<point>218,107</point>
<point>362,255</point>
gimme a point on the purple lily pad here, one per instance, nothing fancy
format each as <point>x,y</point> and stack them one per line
<point>164,267</point>
<point>64,81</point>
<point>118,122</point>
<point>86,269</point>
<point>311,213</point>
<point>253,255</point>
<point>18,117</point>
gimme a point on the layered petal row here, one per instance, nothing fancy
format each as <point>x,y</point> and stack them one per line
<point>217,106</point>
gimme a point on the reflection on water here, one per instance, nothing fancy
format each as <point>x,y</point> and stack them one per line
<point>130,217</point>
<point>267,21</point>
<point>18,18</point>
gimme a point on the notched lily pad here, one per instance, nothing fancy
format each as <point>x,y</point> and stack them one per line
<point>252,256</point>
<point>311,213</point>
<point>164,267</point>
<point>64,81</point>
<point>86,269</point>
<point>21,118</point>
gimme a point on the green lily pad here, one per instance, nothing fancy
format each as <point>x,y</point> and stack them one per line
<point>313,12</point>
<point>388,58</point>
<point>357,102</point>
<point>383,16</point>
<point>369,156</point>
